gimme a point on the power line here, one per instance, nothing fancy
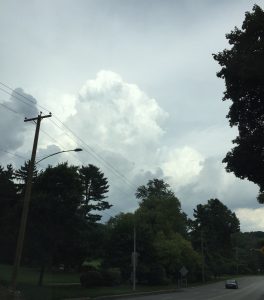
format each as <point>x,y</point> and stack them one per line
<point>96,156</point>
<point>15,97</point>
<point>14,154</point>
<point>90,150</point>
<point>10,109</point>
<point>54,140</point>
<point>21,95</point>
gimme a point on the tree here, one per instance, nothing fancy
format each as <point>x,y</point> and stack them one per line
<point>160,216</point>
<point>160,208</point>
<point>120,243</point>
<point>160,237</point>
<point>8,193</point>
<point>9,213</point>
<point>95,186</point>
<point>213,225</point>
<point>55,228</point>
<point>248,259</point>
<point>22,174</point>
<point>243,71</point>
<point>174,251</point>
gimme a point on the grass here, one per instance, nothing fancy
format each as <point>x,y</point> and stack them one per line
<point>51,290</point>
<point>31,275</point>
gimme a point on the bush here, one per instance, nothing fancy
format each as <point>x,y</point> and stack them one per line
<point>143,274</point>
<point>111,276</point>
<point>91,278</point>
<point>157,275</point>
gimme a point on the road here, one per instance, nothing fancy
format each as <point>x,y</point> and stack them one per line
<point>250,288</point>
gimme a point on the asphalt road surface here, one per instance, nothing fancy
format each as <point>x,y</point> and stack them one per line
<point>250,288</point>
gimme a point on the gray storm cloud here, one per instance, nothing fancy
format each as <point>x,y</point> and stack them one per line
<point>12,127</point>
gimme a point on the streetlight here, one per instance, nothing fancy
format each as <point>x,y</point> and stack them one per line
<point>75,150</point>
<point>22,229</point>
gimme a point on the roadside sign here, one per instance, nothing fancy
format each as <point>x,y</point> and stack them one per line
<point>183,271</point>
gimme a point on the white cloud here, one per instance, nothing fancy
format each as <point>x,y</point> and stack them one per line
<point>119,117</point>
<point>214,182</point>
<point>124,126</point>
<point>182,165</point>
<point>251,219</point>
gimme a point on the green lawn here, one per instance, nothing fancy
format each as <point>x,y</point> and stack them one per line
<point>28,278</point>
<point>31,275</point>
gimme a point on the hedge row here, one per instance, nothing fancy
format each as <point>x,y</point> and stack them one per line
<point>109,277</point>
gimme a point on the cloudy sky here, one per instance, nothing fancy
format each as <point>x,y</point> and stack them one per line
<point>133,83</point>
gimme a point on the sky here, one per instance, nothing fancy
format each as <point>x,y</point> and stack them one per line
<point>131,82</point>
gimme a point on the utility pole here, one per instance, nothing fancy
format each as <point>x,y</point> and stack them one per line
<point>23,222</point>
<point>202,250</point>
<point>134,259</point>
<point>236,260</point>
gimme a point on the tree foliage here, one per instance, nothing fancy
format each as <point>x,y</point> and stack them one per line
<point>95,186</point>
<point>243,72</point>
<point>213,225</point>
<point>160,208</point>
<point>21,176</point>
<point>160,236</point>
<point>54,228</point>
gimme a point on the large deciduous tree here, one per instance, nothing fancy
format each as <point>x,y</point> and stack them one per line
<point>243,72</point>
<point>95,186</point>
<point>213,226</point>
<point>160,208</point>
<point>160,233</point>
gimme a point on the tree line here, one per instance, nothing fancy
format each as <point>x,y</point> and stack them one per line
<point>64,225</point>
<point>65,228</point>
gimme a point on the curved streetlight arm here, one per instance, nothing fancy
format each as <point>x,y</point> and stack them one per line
<point>75,150</point>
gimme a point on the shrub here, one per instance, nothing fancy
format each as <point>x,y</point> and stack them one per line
<point>157,275</point>
<point>111,276</point>
<point>91,278</point>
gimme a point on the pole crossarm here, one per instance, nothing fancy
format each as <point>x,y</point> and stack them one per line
<point>39,116</point>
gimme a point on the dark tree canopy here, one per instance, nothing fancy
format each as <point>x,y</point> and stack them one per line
<point>95,186</point>
<point>217,223</point>
<point>160,208</point>
<point>213,227</point>
<point>243,71</point>
<point>22,174</point>
<point>54,226</point>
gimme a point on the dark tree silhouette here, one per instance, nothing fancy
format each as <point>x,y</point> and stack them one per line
<point>243,71</point>
<point>95,187</point>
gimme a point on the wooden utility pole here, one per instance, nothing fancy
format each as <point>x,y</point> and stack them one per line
<point>203,262</point>
<point>23,222</point>
<point>134,259</point>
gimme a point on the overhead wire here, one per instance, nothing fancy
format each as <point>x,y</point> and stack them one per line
<point>16,97</point>
<point>73,136</point>
<point>56,143</point>
<point>14,154</point>
<point>90,151</point>
<point>99,156</point>
<point>10,109</point>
